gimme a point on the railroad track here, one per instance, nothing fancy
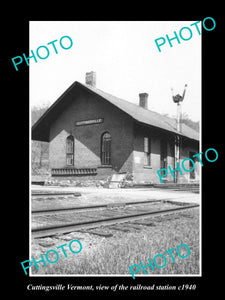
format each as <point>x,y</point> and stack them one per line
<point>51,230</point>
<point>54,193</point>
<point>90,207</point>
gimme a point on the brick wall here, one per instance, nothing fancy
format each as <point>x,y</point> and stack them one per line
<point>86,106</point>
<point>127,145</point>
<point>144,173</point>
<point>188,146</point>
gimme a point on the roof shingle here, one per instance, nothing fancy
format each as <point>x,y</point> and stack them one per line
<point>141,115</point>
<point>146,116</point>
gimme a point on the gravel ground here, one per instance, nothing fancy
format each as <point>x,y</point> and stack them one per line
<point>98,196</point>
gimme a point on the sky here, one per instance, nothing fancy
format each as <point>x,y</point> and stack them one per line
<point>125,58</point>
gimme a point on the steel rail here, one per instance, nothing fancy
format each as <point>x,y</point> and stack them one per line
<point>87,207</point>
<point>54,193</point>
<point>66,228</point>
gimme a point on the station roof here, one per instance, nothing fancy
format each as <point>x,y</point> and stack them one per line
<point>41,129</point>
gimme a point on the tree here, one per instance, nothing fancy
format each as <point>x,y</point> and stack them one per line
<point>39,150</point>
<point>186,120</point>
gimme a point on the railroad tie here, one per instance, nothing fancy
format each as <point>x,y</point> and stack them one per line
<point>132,226</point>
<point>119,228</point>
<point>97,233</point>
<point>145,223</point>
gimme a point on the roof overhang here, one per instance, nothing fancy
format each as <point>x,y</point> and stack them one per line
<point>41,129</point>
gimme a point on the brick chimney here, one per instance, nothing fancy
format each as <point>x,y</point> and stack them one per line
<point>90,78</point>
<point>143,100</point>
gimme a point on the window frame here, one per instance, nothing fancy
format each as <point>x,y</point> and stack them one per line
<point>147,154</point>
<point>106,156</point>
<point>70,150</point>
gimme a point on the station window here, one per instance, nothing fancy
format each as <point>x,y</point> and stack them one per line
<point>147,151</point>
<point>70,151</point>
<point>106,149</point>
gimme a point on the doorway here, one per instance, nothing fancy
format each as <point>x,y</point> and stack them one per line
<point>163,154</point>
<point>193,172</point>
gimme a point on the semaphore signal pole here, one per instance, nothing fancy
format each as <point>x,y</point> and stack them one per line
<point>177,99</point>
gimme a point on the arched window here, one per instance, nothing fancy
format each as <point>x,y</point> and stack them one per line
<point>70,151</point>
<point>106,149</point>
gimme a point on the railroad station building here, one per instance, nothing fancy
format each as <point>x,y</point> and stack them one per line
<point>94,134</point>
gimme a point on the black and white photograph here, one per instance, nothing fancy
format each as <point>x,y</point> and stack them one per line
<point>116,149</point>
<point>116,133</point>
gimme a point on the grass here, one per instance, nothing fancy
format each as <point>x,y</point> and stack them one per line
<point>114,255</point>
